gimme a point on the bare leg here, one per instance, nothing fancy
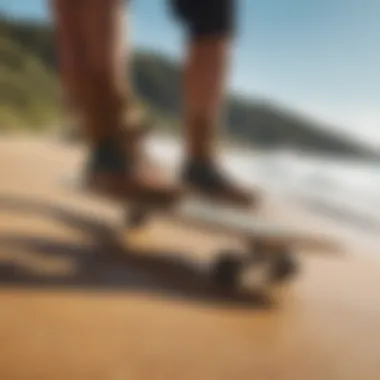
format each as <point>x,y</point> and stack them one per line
<point>210,28</point>
<point>93,67</point>
<point>108,61</point>
<point>68,18</point>
<point>205,74</point>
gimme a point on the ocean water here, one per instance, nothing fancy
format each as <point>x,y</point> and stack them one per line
<point>348,191</point>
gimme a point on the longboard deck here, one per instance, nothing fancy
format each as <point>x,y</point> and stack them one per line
<point>220,217</point>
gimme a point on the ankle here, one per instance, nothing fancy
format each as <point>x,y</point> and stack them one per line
<point>201,139</point>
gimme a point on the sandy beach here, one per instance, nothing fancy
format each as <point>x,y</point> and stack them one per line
<point>70,310</point>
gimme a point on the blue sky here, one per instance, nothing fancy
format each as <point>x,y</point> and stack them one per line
<point>319,57</point>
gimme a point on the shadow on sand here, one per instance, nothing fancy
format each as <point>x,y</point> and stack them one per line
<point>103,264</point>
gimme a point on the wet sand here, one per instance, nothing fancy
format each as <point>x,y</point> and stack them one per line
<point>71,310</point>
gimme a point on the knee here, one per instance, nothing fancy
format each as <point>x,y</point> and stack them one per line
<point>207,18</point>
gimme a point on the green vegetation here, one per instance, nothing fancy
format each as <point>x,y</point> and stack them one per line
<point>29,96</point>
<point>28,90</point>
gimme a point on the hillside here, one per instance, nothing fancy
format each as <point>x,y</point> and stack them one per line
<point>28,91</point>
<point>29,96</point>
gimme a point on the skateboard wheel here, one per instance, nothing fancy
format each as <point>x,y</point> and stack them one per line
<point>227,269</point>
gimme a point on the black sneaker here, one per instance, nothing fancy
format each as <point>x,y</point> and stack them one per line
<point>208,180</point>
<point>110,171</point>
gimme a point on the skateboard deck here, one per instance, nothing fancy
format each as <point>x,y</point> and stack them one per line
<point>219,217</point>
<point>270,247</point>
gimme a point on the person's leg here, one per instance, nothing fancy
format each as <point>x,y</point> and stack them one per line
<point>93,62</point>
<point>105,30</point>
<point>210,26</point>
<point>94,74</point>
<point>68,27</point>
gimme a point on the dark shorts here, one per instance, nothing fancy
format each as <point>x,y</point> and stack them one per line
<point>206,17</point>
